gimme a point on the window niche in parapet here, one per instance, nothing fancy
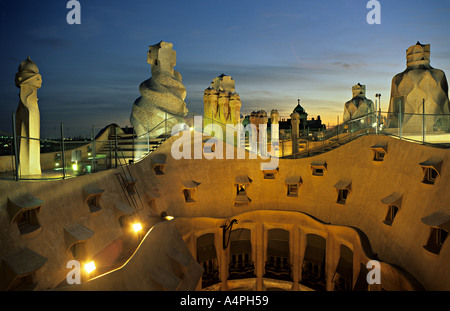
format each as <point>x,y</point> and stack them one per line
<point>190,191</point>
<point>242,184</point>
<point>318,168</point>
<point>379,152</point>
<point>439,224</point>
<point>393,201</point>
<point>269,172</point>
<point>125,215</point>
<point>159,164</point>
<point>19,270</point>
<point>431,169</point>
<point>76,237</point>
<point>129,184</point>
<point>92,196</point>
<point>343,188</point>
<point>151,196</point>
<point>293,184</point>
<point>23,211</point>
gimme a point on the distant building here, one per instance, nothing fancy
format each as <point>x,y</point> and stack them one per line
<point>313,125</point>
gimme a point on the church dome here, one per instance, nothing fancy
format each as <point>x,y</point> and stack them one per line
<point>299,109</point>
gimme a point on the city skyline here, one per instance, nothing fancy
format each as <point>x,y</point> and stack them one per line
<point>275,52</point>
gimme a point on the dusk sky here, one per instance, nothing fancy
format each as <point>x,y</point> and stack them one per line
<point>276,51</point>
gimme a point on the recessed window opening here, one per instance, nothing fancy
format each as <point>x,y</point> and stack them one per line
<point>343,189</point>
<point>431,170</point>
<point>378,155</point>
<point>379,152</point>
<point>318,168</point>
<point>241,189</point>
<point>292,190</point>
<point>242,183</point>
<point>392,212</point>
<point>317,171</point>
<point>25,282</point>
<point>241,197</point>
<point>78,250</point>
<point>188,195</point>
<point>269,175</point>
<point>436,240</point>
<point>94,204</point>
<point>342,196</point>
<point>131,188</point>
<point>159,169</point>
<point>27,221</point>
<point>124,221</point>
<point>439,224</point>
<point>430,175</point>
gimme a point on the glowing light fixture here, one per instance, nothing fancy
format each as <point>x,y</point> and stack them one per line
<point>137,227</point>
<point>191,129</point>
<point>89,267</point>
<point>164,216</point>
<point>75,166</point>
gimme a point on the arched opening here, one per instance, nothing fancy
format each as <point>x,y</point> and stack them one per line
<point>207,258</point>
<point>343,277</point>
<point>241,263</point>
<point>313,267</point>
<point>278,264</point>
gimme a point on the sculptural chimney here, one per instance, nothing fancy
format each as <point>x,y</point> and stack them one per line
<point>28,80</point>
<point>420,89</point>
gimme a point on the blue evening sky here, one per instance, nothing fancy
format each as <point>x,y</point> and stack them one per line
<point>276,51</point>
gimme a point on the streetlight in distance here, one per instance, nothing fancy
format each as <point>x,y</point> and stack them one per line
<point>378,95</point>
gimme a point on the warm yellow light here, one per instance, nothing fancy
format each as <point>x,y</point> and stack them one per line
<point>75,166</point>
<point>89,267</point>
<point>57,164</point>
<point>169,217</point>
<point>191,129</point>
<point>137,227</point>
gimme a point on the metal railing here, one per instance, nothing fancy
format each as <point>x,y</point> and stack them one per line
<point>70,157</point>
<point>429,129</point>
<point>65,158</point>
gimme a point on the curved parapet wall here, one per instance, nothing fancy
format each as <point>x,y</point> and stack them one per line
<point>350,186</point>
<point>370,170</point>
<point>162,96</point>
<point>160,262</point>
